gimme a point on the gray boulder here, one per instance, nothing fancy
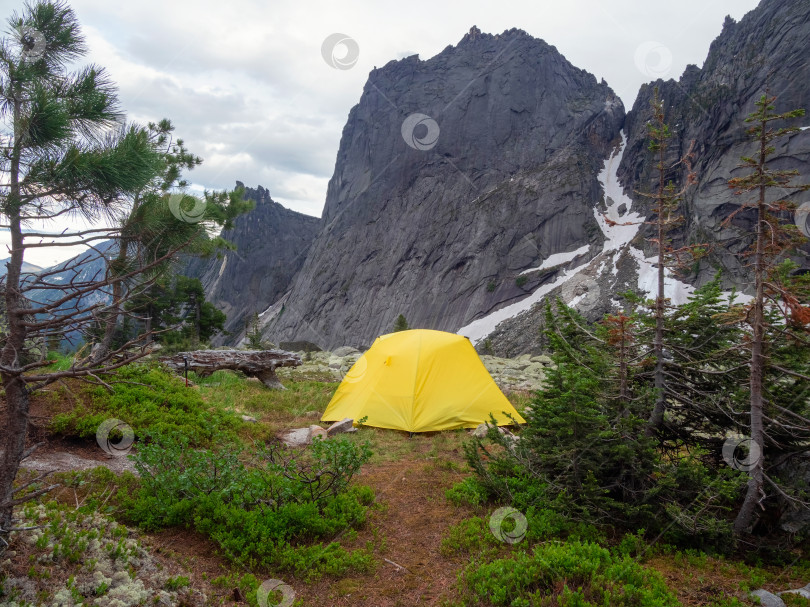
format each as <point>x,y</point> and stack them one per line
<point>535,369</point>
<point>768,599</point>
<point>298,437</point>
<point>343,426</point>
<point>317,431</point>
<point>343,351</point>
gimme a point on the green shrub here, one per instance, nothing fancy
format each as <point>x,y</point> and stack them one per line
<point>468,492</point>
<point>521,280</point>
<point>573,574</point>
<point>585,458</point>
<point>148,399</point>
<point>176,583</point>
<point>264,513</point>
<point>470,536</point>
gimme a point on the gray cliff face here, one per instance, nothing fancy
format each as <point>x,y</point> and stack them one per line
<point>708,105</point>
<point>441,234</point>
<point>271,245</point>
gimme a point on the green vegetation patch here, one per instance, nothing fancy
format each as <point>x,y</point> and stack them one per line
<point>150,400</point>
<point>281,508</point>
<point>573,574</point>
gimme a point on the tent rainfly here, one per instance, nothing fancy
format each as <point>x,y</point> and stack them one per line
<point>420,381</point>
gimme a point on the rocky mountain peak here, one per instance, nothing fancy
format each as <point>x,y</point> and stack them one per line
<point>471,185</point>
<point>271,244</point>
<point>423,218</point>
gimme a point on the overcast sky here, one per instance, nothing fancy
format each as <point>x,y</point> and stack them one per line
<point>248,89</point>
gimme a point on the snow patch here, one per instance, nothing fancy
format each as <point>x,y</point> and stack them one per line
<point>558,258</point>
<point>619,229</point>
<point>479,329</point>
<point>676,291</point>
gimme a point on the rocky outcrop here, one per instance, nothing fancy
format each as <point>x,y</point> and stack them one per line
<point>453,175</point>
<point>706,109</point>
<point>525,372</point>
<point>271,244</point>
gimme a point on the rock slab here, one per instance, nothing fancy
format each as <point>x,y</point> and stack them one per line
<point>341,427</point>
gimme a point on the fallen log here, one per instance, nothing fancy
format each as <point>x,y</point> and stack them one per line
<point>261,364</point>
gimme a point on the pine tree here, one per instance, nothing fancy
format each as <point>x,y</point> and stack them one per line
<point>584,442</point>
<point>147,231</point>
<point>254,333</point>
<point>178,313</point>
<point>666,201</point>
<point>400,324</point>
<point>59,159</point>
<point>704,369</point>
<point>772,239</point>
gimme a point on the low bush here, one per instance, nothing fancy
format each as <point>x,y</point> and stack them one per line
<point>468,492</point>
<point>263,513</point>
<point>573,574</point>
<point>149,399</point>
<point>471,536</point>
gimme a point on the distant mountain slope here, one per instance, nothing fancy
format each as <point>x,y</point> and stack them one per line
<point>271,244</point>
<point>27,268</point>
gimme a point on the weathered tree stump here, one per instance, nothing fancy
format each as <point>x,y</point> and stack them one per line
<point>261,364</point>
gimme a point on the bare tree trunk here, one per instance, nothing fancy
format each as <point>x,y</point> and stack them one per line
<point>104,347</point>
<point>16,429</point>
<point>657,416</point>
<point>754,492</point>
<point>16,392</point>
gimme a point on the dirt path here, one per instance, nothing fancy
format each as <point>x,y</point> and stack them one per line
<point>411,521</point>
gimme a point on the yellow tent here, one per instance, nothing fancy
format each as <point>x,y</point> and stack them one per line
<point>420,381</point>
